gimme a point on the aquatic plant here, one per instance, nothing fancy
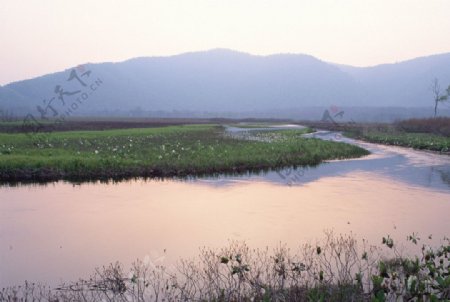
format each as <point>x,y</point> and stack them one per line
<point>337,268</point>
<point>158,152</point>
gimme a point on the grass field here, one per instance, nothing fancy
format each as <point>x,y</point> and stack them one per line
<point>255,125</point>
<point>424,134</point>
<point>430,134</point>
<point>17,125</point>
<point>156,152</point>
<point>422,141</point>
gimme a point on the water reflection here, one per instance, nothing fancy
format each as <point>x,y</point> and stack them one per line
<point>445,175</point>
<point>63,231</point>
<point>415,168</point>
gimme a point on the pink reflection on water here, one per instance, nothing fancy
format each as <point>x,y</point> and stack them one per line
<point>62,232</point>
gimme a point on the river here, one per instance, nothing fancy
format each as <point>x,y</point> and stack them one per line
<point>62,231</point>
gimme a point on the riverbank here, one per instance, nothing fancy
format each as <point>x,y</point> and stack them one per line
<point>170,151</point>
<point>337,268</point>
<point>431,134</point>
<point>419,141</point>
<point>18,125</point>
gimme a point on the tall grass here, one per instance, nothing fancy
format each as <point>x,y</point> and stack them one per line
<point>427,134</point>
<point>421,141</point>
<point>438,125</point>
<point>337,268</point>
<point>156,152</point>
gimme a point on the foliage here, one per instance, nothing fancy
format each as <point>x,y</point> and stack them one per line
<point>414,279</point>
<point>413,140</point>
<point>427,134</point>
<point>157,152</point>
<point>436,126</point>
<point>334,269</point>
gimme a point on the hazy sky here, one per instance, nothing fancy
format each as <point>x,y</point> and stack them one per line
<point>42,36</point>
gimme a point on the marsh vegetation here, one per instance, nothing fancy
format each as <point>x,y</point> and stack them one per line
<point>157,152</point>
<point>423,134</point>
<point>336,268</point>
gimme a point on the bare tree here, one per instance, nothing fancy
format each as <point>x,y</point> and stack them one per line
<point>438,97</point>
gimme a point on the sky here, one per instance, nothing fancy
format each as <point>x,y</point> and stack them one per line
<point>44,36</point>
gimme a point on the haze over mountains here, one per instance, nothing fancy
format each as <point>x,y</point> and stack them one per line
<point>224,82</point>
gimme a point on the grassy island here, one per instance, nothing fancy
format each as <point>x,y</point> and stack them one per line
<point>181,150</point>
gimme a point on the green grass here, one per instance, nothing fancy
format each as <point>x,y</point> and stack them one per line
<point>425,141</point>
<point>156,152</point>
<point>424,134</point>
<point>255,125</point>
<point>11,123</point>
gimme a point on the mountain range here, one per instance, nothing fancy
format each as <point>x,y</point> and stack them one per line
<point>222,80</point>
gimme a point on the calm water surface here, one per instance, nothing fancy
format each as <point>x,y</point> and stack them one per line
<point>61,232</point>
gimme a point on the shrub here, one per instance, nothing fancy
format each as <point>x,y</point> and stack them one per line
<point>334,269</point>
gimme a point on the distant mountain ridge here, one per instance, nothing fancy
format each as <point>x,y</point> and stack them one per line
<point>222,80</point>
